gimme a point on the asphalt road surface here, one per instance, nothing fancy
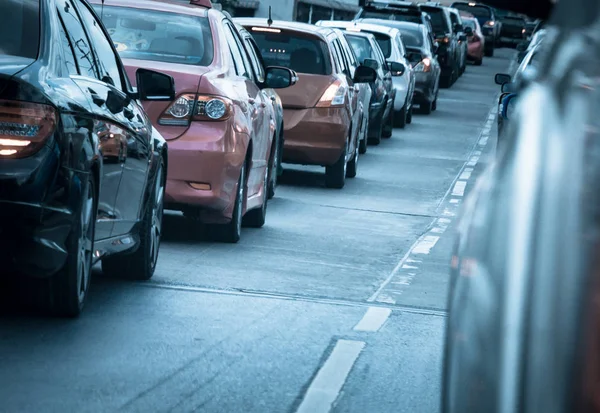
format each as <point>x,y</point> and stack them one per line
<point>337,304</point>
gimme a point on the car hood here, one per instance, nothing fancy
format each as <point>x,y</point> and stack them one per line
<point>11,65</point>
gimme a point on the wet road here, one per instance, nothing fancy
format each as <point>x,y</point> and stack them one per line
<point>338,301</point>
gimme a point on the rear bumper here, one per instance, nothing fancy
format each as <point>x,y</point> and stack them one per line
<point>424,88</point>
<point>475,51</point>
<point>315,136</point>
<point>513,41</point>
<point>204,169</point>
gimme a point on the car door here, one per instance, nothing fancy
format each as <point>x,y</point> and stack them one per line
<point>130,121</point>
<point>344,70</point>
<point>256,105</point>
<point>106,126</point>
<point>384,74</point>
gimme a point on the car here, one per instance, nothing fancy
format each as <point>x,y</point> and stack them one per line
<point>322,112</point>
<point>524,47</point>
<point>369,53</point>
<point>421,53</point>
<point>390,41</point>
<point>490,25</point>
<point>513,31</point>
<point>259,67</point>
<point>463,33</point>
<point>393,10</point>
<point>447,39</point>
<point>82,170</point>
<point>476,42</point>
<point>221,128</point>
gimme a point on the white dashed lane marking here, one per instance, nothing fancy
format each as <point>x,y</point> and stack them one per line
<point>373,320</point>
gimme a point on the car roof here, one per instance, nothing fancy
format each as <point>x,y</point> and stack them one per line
<point>320,31</point>
<point>162,5</point>
<point>360,34</point>
<point>472,4</point>
<point>391,4</point>
<point>358,25</point>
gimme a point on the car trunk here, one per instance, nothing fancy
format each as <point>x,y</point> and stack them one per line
<point>306,92</point>
<point>187,80</point>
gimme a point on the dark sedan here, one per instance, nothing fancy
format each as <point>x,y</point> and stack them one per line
<point>82,171</point>
<point>422,56</point>
<point>369,53</point>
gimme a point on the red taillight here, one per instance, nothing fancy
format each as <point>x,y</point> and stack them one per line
<point>191,107</point>
<point>24,127</point>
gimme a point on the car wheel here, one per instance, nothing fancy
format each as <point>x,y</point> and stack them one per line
<point>427,108</point>
<point>400,120</point>
<point>388,126</point>
<point>232,231</point>
<point>434,104</point>
<point>69,288</point>
<point>335,175</point>
<point>478,62</point>
<point>256,218</point>
<point>446,81</point>
<point>352,167</point>
<point>409,116</point>
<point>273,169</point>
<point>376,140</point>
<point>489,51</point>
<point>141,264</point>
<point>362,145</point>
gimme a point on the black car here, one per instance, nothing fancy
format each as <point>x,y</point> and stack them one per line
<point>393,10</point>
<point>513,31</point>
<point>369,53</point>
<point>421,53</point>
<point>448,41</point>
<point>82,171</point>
<point>490,24</point>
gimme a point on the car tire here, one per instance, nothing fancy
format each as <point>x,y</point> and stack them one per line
<point>232,231</point>
<point>335,175</point>
<point>141,264</point>
<point>69,287</point>
<point>434,105</point>
<point>256,218</point>
<point>427,108</point>
<point>363,143</point>
<point>446,81</point>
<point>352,167</point>
<point>478,62</point>
<point>400,116</point>
<point>376,140</point>
<point>273,169</point>
<point>388,126</point>
<point>489,51</point>
<point>409,116</point>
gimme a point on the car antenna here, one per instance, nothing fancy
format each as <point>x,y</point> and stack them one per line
<point>102,11</point>
<point>269,20</point>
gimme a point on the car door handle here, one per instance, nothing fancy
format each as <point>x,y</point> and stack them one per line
<point>96,97</point>
<point>251,101</point>
<point>273,98</point>
<point>263,105</point>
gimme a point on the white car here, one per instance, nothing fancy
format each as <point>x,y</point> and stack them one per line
<point>390,41</point>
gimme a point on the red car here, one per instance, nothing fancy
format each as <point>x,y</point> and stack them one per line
<point>221,127</point>
<point>476,44</point>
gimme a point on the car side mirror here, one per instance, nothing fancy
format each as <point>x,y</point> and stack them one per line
<point>277,77</point>
<point>372,63</point>
<point>153,85</point>
<point>502,79</point>
<point>469,31</point>
<point>397,68</point>
<point>364,74</point>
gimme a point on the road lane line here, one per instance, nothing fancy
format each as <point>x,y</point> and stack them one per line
<point>327,384</point>
<point>426,245</point>
<point>373,320</point>
<point>459,188</point>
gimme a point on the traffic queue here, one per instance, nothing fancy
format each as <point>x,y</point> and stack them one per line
<point>113,111</point>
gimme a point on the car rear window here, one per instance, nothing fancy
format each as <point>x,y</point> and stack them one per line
<point>470,23</point>
<point>438,20</point>
<point>412,37</point>
<point>20,28</point>
<point>304,54</point>
<point>482,13</point>
<point>361,46</point>
<point>386,15</point>
<point>159,36</point>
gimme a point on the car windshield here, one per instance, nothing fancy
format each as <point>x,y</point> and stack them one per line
<point>412,37</point>
<point>304,54</point>
<point>20,28</point>
<point>159,36</point>
<point>481,13</point>
<point>386,15</point>
<point>361,46</point>
<point>438,20</point>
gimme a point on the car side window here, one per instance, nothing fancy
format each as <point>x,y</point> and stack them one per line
<point>242,64</point>
<point>349,58</point>
<point>68,53</point>
<point>400,43</point>
<point>340,57</point>
<point>259,70</point>
<point>84,55</point>
<point>108,65</point>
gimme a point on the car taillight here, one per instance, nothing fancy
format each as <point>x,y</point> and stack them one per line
<point>335,95</point>
<point>444,39</point>
<point>490,23</point>
<point>24,127</point>
<point>201,108</point>
<point>424,65</point>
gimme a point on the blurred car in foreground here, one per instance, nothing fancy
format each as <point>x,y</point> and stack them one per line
<point>476,43</point>
<point>323,115</point>
<point>66,105</point>
<point>490,25</point>
<point>513,31</point>
<point>221,128</point>
<point>403,79</point>
<point>369,53</point>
